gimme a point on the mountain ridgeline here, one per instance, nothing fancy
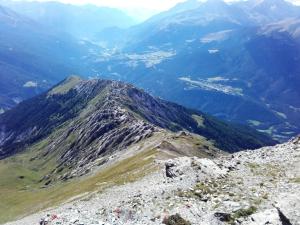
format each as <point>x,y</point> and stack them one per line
<point>95,117</point>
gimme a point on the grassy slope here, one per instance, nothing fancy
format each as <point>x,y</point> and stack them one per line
<point>19,195</point>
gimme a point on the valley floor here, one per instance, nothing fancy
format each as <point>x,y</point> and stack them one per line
<point>249,188</point>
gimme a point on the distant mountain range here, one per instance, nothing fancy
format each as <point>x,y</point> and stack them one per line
<point>41,43</point>
<point>79,21</point>
<point>34,57</point>
<point>238,61</point>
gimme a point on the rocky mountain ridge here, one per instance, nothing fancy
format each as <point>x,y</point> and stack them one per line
<point>97,100</point>
<point>249,188</point>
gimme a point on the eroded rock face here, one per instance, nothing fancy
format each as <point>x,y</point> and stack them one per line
<point>102,133</point>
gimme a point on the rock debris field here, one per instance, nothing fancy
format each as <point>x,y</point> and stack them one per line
<point>248,188</point>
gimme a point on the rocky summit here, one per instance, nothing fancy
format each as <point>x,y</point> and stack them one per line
<point>248,188</point>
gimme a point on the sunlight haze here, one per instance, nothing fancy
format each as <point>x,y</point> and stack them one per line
<point>139,9</point>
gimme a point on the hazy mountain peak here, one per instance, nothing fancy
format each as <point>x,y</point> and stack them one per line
<point>217,7</point>
<point>273,10</point>
<point>6,12</point>
<point>187,5</point>
<point>80,21</point>
<point>216,2</point>
<point>271,3</point>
